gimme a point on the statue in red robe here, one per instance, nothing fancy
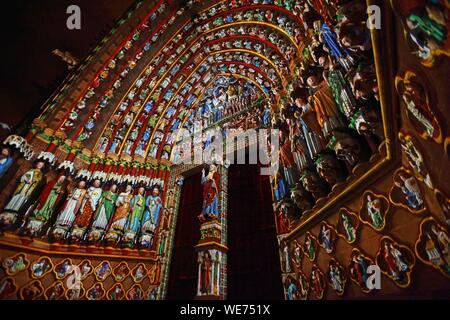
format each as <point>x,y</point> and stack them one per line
<point>390,261</point>
<point>283,222</point>
<point>206,266</point>
<point>211,191</point>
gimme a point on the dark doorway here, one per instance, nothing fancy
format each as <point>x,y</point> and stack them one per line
<point>253,262</point>
<point>183,268</point>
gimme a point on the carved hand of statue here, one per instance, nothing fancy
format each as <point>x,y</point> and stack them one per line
<point>27,179</point>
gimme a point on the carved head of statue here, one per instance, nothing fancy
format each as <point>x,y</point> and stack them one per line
<point>40,165</point>
<point>212,168</point>
<point>61,179</point>
<point>329,169</point>
<point>5,152</point>
<point>348,149</point>
<point>97,183</point>
<point>314,184</point>
<point>82,184</point>
<point>301,198</point>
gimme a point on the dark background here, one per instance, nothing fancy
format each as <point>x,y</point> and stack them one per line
<point>30,31</point>
<point>183,266</point>
<point>253,265</point>
<point>254,270</point>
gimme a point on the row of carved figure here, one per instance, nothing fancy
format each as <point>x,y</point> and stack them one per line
<point>332,122</point>
<point>335,102</point>
<point>110,77</point>
<point>89,212</point>
<point>163,83</point>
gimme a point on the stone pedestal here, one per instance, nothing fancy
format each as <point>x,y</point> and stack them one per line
<point>210,258</point>
<point>210,231</point>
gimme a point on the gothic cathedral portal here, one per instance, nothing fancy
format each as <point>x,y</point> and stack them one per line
<point>216,150</point>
